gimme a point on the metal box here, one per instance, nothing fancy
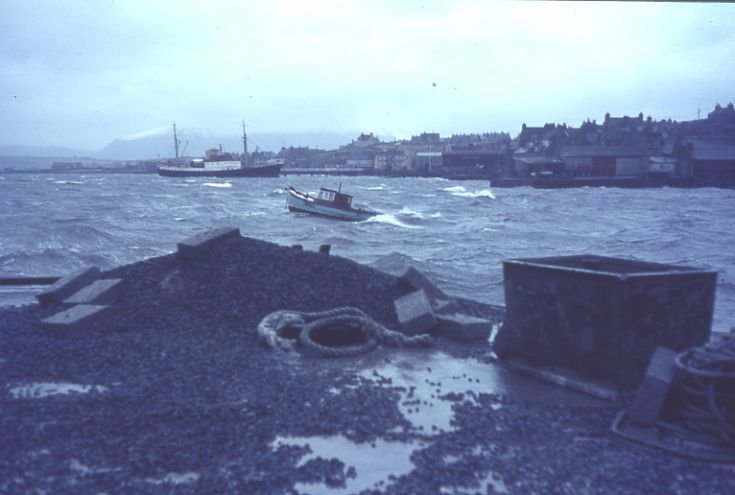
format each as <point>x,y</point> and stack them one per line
<point>602,317</point>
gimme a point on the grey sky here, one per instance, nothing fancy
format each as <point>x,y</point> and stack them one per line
<point>81,73</point>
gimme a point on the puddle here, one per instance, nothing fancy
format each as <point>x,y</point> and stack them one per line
<point>432,382</point>
<point>492,483</point>
<point>40,390</point>
<point>373,462</point>
<point>84,470</point>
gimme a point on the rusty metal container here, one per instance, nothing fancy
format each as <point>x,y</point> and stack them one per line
<point>602,317</point>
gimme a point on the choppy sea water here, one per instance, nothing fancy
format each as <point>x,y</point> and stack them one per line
<point>458,232</point>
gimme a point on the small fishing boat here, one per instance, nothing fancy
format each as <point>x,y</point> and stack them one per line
<point>327,203</point>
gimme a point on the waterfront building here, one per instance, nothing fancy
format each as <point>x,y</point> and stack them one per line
<point>600,161</point>
<point>475,164</point>
<point>709,159</point>
<point>429,162</point>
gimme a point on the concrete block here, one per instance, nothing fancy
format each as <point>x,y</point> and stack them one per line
<point>297,247</point>
<point>414,313</point>
<point>464,327</point>
<point>603,317</point>
<point>68,285</point>
<point>444,306</point>
<point>654,388</point>
<point>98,292</point>
<point>199,244</point>
<point>414,279</point>
<point>325,248</point>
<point>73,318</point>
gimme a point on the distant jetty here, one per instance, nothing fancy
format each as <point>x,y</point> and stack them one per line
<point>620,182</point>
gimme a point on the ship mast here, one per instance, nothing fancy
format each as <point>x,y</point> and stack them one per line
<point>244,160</point>
<point>176,142</point>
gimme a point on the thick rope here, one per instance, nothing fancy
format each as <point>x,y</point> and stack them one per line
<point>709,389</point>
<point>272,330</point>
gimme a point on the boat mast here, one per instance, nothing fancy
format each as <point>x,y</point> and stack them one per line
<point>176,142</point>
<point>244,160</point>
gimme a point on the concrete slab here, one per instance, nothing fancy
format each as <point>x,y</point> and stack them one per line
<point>392,264</point>
<point>654,388</point>
<point>566,379</point>
<point>68,285</point>
<point>415,313</point>
<point>100,291</point>
<point>199,244</point>
<point>463,327</point>
<point>74,317</point>
<point>399,265</point>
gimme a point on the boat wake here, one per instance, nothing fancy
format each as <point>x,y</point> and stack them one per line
<point>407,212</point>
<point>390,219</point>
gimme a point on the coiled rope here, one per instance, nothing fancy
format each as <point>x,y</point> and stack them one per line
<point>709,390</point>
<point>279,329</point>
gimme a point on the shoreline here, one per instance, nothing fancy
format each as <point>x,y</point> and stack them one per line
<point>501,182</point>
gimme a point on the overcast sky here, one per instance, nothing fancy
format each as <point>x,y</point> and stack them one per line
<point>81,73</point>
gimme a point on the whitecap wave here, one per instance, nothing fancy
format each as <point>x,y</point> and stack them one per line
<point>377,188</point>
<point>454,189</point>
<point>482,193</point>
<point>76,182</point>
<point>390,219</point>
<point>220,185</point>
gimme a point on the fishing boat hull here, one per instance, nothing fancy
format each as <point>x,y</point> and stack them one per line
<point>256,171</point>
<point>303,203</point>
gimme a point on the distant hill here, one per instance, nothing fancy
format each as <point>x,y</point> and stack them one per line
<point>159,144</point>
<point>195,144</point>
<point>43,151</point>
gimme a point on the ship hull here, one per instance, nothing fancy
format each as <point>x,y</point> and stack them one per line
<point>257,171</point>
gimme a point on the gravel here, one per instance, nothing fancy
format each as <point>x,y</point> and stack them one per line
<point>186,400</point>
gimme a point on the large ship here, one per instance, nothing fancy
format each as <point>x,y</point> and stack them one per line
<point>218,164</point>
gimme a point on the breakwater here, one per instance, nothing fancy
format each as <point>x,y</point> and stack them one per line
<point>170,391</point>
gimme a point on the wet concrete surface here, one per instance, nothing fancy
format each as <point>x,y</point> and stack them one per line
<point>183,399</point>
